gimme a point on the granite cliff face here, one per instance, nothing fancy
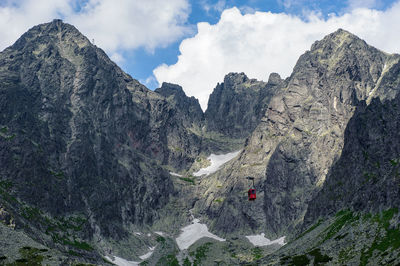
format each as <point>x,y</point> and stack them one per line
<point>236,106</point>
<point>300,137</point>
<point>354,218</point>
<point>180,125</point>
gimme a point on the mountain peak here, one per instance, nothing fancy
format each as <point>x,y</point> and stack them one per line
<point>235,78</point>
<point>274,79</point>
<point>168,89</point>
<point>55,32</point>
<point>337,39</point>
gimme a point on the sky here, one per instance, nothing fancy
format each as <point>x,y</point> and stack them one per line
<point>196,43</point>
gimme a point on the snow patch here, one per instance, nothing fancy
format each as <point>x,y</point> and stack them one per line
<point>148,254</point>
<point>175,174</point>
<point>193,232</point>
<point>216,162</point>
<point>160,233</point>
<point>261,240</point>
<point>121,262</point>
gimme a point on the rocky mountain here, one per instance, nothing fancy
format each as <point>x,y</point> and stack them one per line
<point>300,137</point>
<point>80,139</point>
<point>93,163</point>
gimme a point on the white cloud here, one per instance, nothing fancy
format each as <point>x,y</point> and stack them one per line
<point>117,58</point>
<point>114,25</point>
<point>127,24</point>
<point>264,42</point>
<point>16,17</point>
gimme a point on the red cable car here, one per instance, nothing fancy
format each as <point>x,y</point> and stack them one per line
<point>252,191</point>
<point>252,194</point>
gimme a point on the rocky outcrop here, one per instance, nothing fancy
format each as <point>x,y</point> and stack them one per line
<point>189,107</point>
<point>236,106</point>
<point>180,125</point>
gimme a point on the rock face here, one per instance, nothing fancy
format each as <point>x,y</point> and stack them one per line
<point>370,157</point>
<point>236,106</point>
<point>301,135</point>
<point>354,218</point>
<point>75,132</point>
<point>189,108</point>
<point>310,118</point>
<point>181,126</point>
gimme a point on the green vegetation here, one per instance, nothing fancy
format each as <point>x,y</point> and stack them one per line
<point>257,253</point>
<point>300,260</point>
<point>219,200</point>
<point>343,217</point>
<point>186,262</point>
<point>160,239</point>
<point>369,176</point>
<point>65,240</point>
<point>62,230</point>
<point>3,130</point>
<point>81,245</point>
<point>31,213</point>
<point>341,236</point>
<point>11,137</point>
<point>318,257</point>
<point>5,187</point>
<point>169,260</point>
<point>394,162</point>
<point>304,259</point>
<point>29,256</point>
<point>57,174</point>
<point>6,184</point>
<point>382,242</point>
<point>187,179</point>
<point>73,253</point>
<point>74,223</point>
<point>200,253</point>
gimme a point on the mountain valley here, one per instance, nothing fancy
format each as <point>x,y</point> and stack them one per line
<point>98,169</point>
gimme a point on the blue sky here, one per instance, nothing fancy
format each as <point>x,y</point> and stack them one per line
<point>195,43</point>
<point>140,63</point>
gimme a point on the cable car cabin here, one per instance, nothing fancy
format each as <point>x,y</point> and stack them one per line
<point>252,194</point>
